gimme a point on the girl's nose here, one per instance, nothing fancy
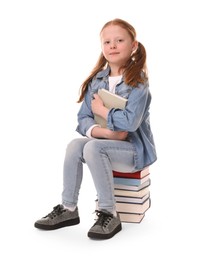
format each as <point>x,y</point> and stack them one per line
<point>113,45</point>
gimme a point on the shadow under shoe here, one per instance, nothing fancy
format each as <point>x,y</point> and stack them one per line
<point>58,218</point>
<point>106,226</point>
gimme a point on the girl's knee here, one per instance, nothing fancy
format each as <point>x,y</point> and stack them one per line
<point>72,144</point>
<point>91,149</point>
<point>76,145</point>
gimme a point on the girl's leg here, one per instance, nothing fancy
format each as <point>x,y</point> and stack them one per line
<point>102,156</point>
<point>72,177</point>
<point>73,171</point>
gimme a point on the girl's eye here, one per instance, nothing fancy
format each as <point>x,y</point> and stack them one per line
<point>116,41</point>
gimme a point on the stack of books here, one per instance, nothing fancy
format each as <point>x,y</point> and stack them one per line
<point>132,194</point>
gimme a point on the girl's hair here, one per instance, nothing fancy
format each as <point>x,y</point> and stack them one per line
<point>134,71</point>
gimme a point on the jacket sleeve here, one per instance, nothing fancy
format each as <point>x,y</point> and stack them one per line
<point>85,115</point>
<point>132,116</point>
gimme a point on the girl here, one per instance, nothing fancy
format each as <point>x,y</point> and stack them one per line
<point>125,145</point>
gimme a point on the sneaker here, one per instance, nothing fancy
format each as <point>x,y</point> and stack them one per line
<point>106,225</point>
<point>58,218</point>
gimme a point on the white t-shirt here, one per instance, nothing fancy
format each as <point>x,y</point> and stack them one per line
<point>113,81</point>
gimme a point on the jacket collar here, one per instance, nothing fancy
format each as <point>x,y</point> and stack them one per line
<point>103,73</point>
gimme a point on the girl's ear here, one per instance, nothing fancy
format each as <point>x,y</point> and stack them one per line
<point>134,46</point>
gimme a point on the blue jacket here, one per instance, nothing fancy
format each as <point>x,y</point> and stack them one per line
<point>135,118</point>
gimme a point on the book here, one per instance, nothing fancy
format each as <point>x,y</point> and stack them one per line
<point>131,217</point>
<point>110,100</point>
<point>138,200</point>
<point>130,181</point>
<point>132,187</point>
<point>129,207</point>
<point>131,193</point>
<point>134,175</point>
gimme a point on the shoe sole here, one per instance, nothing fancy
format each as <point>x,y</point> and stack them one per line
<point>70,222</point>
<point>105,236</point>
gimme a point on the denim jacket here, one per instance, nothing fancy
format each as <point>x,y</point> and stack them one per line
<point>135,118</point>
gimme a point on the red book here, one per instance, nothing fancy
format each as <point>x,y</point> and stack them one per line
<point>132,175</point>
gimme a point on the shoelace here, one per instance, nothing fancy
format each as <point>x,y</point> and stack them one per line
<point>57,210</point>
<point>103,218</point>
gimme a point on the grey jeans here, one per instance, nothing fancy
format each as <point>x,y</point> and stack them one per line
<point>101,156</point>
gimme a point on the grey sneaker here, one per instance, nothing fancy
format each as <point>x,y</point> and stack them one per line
<point>106,225</point>
<point>58,218</point>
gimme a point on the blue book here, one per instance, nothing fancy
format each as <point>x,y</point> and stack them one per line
<point>129,181</point>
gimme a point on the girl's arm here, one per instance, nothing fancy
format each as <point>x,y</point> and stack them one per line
<point>98,107</point>
<point>98,132</point>
<point>105,133</point>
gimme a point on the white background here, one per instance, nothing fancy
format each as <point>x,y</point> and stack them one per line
<point>47,48</point>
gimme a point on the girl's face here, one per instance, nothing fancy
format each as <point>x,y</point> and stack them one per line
<point>117,45</point>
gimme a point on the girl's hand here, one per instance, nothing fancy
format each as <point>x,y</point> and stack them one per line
<point>96,104</point>
<point>117,135</point>
<point>98,107</point>
<point>99,132</point>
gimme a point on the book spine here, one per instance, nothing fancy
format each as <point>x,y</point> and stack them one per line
<point>134,175</point>
<point>127,175</point>
<point>128,207</point>
<point>127,181</point>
